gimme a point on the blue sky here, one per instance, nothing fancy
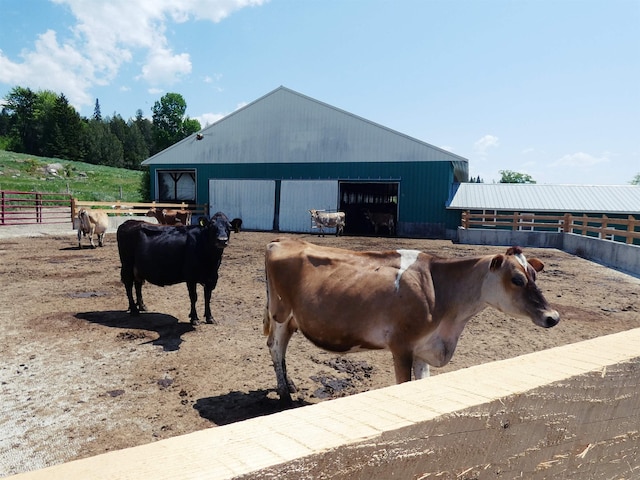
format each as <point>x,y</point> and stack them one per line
<point>545,87</point>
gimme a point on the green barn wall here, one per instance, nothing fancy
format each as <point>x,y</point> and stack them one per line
<point>423,186</point>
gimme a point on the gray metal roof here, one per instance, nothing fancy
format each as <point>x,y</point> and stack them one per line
<point>547,198</point>
<point>287,127</point>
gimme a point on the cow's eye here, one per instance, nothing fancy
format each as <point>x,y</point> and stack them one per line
<point>518,281</point>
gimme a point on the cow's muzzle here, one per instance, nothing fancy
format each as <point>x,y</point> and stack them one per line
<point>550,319</point>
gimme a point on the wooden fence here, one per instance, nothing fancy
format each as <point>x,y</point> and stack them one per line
<point>625,230</point>
<point>27,208</point>
<point>135,208</point>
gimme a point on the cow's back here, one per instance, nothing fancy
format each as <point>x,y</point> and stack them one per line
<point>101,221</point>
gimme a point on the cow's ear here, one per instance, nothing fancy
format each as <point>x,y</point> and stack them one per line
<point>496,262</point>
<point>536,264</point>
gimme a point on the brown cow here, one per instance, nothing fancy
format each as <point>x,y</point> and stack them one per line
<point>170,217</point>
<point>409,302</point>
<point>380,219</point>
<point>90,222</point>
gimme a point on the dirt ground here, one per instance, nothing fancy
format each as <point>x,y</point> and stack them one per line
<point>79,376</point>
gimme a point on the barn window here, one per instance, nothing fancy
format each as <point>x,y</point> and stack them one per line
<point>177,185</point>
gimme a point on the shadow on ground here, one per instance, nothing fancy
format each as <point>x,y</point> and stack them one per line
<point>238,406</point>
<point>169,329</point>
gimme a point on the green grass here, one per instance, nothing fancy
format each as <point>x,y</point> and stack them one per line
<point>84,181</point>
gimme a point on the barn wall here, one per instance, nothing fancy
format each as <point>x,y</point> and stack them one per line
<point>566,412</point>
<point>423,186</point>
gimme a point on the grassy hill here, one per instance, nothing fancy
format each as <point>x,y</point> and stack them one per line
<point>84,181</point>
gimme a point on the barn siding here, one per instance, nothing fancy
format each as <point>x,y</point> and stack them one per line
<point>423,191</point>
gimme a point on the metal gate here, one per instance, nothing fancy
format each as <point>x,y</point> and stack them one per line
<point>28,208</point>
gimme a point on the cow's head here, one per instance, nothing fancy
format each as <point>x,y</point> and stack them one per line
<point>511,288</point>
<point>219,229</point>
<point>314,213</point>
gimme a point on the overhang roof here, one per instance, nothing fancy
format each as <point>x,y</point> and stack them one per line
<point>618,199</point>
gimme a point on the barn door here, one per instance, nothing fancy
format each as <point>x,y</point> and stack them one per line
<point>251,200</point>
<point>297,197</point>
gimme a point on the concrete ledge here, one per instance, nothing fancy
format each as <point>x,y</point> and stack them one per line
<point>606,252</point>
<point>572,411</point>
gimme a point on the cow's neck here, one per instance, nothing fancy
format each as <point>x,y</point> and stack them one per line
<point>458,287</point>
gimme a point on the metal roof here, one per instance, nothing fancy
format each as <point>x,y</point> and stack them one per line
<point>547,198</point>
<point>285,126</point>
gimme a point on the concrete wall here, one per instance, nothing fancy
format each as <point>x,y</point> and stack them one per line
<point>566,412</point>
<point>606,252</point>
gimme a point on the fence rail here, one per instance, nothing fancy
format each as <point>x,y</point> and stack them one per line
<point>136,208</point>
<point>625,230</point>
<point>30,208</point>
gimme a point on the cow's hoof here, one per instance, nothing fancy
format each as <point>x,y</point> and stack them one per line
<point>195,322</point>
<point>211,321</point>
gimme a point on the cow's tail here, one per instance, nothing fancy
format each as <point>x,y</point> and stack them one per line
<point>266,319</point>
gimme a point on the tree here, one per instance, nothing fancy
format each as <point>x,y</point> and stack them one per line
<point>636,180</point>
<point>21,103</point>
<point>169,122</point>
<point>97,115</point>
<point>509,176</point>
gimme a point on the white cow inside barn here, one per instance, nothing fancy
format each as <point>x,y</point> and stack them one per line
<point>324,220</point>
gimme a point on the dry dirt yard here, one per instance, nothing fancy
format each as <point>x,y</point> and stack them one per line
<point>79,376</point>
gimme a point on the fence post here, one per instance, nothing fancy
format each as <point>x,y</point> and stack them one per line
<point>603,226</point>
<point>2,207</point>
<point>73,210</point>
<point>38,208</point>
<point>630,228</point>
<point>566,228</point>
<point>514,224</point>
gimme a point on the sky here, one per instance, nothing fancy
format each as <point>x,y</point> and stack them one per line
<point>550,88</point>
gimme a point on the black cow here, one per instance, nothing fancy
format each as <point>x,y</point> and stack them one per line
<point>165,255</point>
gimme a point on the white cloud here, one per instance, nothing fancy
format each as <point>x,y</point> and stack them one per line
<point>106,36</point>
<point>580,159</point>
<point>486,142</point>
<point>164,68</point>
<point>208,118</point>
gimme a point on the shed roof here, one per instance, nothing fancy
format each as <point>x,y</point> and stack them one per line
<point>623,199</point>
<point>285,126</point>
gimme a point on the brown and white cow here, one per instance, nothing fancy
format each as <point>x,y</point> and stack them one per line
<point>409,302</point>
<point>92,222</point>
<point>170,217</point>
<point>324,220</point>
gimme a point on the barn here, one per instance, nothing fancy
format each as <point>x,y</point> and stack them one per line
<point>276,158</point>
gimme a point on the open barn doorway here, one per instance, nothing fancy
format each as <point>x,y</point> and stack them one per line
<point>371,208</point>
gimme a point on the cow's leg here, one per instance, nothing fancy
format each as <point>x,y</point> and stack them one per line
<point>279,336</point>
<point>128,286</point>
<point>420,368</point>
<point>101,239</point>
<point>140,303</point>
<point>91,239</point>
<point>402,363</point>
<point>80,238</point>
<point>208,317</point>
<point>193,298</point>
